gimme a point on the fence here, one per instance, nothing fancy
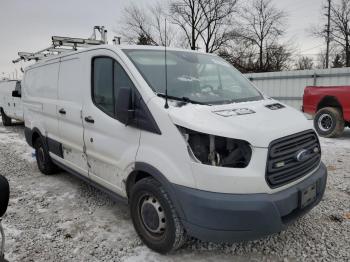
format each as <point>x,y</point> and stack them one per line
<point>288,86</point>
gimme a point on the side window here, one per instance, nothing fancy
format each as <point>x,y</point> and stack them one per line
<point>18,87</point>
<point>108,77</point>
<point>103,87</point>
<point>121,78</point>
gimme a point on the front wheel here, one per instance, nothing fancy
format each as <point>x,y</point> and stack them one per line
<point>155,218</point>
<point>329,122</point>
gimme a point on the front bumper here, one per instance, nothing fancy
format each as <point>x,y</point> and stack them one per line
<point>218,217</point>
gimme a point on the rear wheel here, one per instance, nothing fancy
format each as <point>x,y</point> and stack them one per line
<point>6,121</point>
<point>154,217</point>
<point>329,122</point>
<point>43,159</point>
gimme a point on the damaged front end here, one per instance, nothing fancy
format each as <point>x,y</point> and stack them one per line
<point>216,150</point>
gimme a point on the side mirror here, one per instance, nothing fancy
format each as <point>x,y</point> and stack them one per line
<point>4,195</point>
<point>16,94</point>
<point>124,106</point>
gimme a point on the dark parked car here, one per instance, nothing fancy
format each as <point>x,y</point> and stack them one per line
<point>4,199</point>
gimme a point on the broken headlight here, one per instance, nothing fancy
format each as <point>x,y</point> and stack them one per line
<point>216,150</point>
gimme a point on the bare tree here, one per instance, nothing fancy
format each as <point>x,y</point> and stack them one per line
<point>217,22</point>
<point>278,57</point>
<point>338,61</point>
<point>339,28</point>
<point>159,12</point>
<point>240,54</point>
<point>136,25</point>
<point>321,60</point>
<point>304,63</point>
<point>243,55</point>
<point>143,39</point>
<point>146,25</point>
<point>263,24</point>
<point>188,15</point>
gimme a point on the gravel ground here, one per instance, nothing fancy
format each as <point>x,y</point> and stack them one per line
<point>60,218</point>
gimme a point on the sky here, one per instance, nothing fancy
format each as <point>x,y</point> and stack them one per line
<point>27,25</point>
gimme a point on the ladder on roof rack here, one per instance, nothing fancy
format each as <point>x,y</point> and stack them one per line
<point>61,44</point>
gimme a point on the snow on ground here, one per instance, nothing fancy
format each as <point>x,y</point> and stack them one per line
<point>60,218</point>
<point>15,139</point>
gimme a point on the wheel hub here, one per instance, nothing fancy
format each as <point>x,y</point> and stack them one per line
<point>152,215</point>
<point>325,122</point>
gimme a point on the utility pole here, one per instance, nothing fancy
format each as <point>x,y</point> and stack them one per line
<point>328,32</point>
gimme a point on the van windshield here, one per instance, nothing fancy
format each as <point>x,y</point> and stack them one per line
<point>194,77</point>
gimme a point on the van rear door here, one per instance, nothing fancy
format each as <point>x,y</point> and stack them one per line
<point>110,145</point>
<point>17,102</point>
<point>8,105</point>
<point>69,111</point>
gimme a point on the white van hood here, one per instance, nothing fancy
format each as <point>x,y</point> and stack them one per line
<point>258,128</point>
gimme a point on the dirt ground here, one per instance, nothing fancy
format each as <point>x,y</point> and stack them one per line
<point>60,218</point>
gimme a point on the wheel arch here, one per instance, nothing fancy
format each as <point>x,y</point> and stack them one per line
<point>143,170</point>
<point>32,135</point>
<point>329,101</point>
<point>2,111</point>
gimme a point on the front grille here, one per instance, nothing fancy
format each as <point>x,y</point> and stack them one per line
<point>283,165</point>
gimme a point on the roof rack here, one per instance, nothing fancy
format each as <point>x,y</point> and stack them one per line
<point>61,44</point>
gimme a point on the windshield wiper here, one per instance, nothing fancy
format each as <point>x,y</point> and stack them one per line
<point>183,99</point>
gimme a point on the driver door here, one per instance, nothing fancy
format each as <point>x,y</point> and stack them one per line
<point>110,145</point>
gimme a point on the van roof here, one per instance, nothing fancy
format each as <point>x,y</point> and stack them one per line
<point>110,47</point>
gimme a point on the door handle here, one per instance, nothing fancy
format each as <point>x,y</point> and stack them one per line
<point>89,119</point>
<point>62,111</point>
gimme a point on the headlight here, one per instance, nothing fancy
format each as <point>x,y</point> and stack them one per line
<point>216,150</point>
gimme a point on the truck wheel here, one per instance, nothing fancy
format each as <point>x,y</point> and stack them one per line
<point>329,122</point>
<point>154,217</point>
<point>6,121</point>
<point>43,159</point>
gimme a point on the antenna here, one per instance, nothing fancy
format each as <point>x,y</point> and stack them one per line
<point>166,71</point>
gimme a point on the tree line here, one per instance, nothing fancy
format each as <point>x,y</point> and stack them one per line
<point>249,34</point>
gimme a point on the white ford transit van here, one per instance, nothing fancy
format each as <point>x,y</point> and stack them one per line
<point>194,147</point>
<point>10,101</point>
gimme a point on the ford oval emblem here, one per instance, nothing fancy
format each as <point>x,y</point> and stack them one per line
<point>302,155</point>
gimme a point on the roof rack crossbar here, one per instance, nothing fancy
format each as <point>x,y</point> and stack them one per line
<point>59,42</point>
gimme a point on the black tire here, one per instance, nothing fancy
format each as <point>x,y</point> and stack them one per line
<point>329,122</point>
<point>4,195</point>
<point>43,159</point>
<point>6,121</point>
<point>148,196</point>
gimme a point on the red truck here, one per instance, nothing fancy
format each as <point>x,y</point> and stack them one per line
<point>330,106</point>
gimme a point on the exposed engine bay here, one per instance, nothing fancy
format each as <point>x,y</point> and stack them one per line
<point>217,151</point>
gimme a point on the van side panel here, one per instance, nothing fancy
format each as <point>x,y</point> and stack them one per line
<point>40,98</point>
<point>69,106</point>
